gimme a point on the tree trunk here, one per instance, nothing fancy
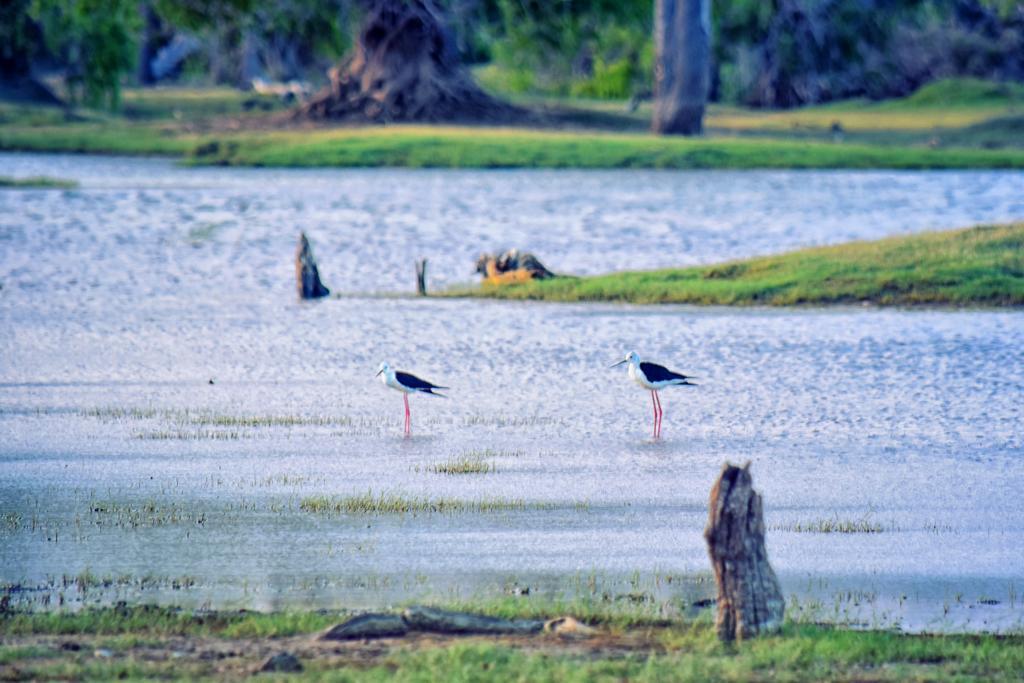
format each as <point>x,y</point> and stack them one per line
<point>404,67</point>
<point>682,44</point>
<point>749,596</point>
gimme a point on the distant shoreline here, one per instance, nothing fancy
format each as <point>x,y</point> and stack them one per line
<point>955,124</point>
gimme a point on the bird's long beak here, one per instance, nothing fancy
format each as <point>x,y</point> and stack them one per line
<point>615,365</point>
<point>378,373</point>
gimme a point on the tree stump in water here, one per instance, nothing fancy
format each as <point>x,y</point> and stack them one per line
<point>749,596</point>
<point>404,67</point>
<point>307,275</point>
<point>421,277</point>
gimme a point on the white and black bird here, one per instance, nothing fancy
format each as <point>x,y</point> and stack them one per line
<point>653,377</point>
<point>407,384</point>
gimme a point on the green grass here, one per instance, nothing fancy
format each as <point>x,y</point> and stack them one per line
<point>146,643</point>
<point>974,266</point>
<point>465,465</point>
<point>41,182</point>
<point>950,124</point>
<point>149,620</point>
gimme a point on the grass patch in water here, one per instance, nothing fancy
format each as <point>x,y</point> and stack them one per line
<point>469,465</point>
<point>197,435</point>
<point>188,416</point>
<point>398,504</point>
<point>493,453</point>
<point>974,266</point>
<point>40,182</point>
<point>833,525</point>
<point>142,514</point>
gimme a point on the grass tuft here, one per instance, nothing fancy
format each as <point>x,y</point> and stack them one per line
<point>463,466</point>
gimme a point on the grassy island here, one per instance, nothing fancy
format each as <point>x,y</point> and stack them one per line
<point>976,266</point>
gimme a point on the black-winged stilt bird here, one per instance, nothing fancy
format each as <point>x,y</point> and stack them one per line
<point>407,384</point>
<point>653,377</point>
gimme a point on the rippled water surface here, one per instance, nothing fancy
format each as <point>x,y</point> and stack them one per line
<point>172,421</point>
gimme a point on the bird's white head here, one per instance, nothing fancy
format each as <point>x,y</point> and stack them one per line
<point>385,370</point>
<point>633,358</point>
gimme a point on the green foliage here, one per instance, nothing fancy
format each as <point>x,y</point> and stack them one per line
<point>976,266</point>
<point>595,48</point>
<point>96,40</point>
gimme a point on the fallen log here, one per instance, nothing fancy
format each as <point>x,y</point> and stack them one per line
<point>368,626</point>
<point>442,621</point>
<point>433,620</point>
<point>750,598</point>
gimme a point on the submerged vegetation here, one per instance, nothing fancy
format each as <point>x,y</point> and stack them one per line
<point>398,504</point>
<point>834,525</point>
<point>975,266</point>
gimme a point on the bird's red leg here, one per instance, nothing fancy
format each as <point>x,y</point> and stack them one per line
<point>653,408</point>
<point>408,420</point>
<point>661,413</point>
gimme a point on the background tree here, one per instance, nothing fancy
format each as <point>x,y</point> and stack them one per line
<point>405,66</point>
<point>20,41</point>
<point>95,41</point>
<point>682,51</point>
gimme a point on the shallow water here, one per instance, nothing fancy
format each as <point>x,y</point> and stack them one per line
<point>118,456</point>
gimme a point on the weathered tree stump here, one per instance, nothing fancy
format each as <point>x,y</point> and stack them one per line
<point>750,598</point>
<point>404,67</point>
<point>421,277</point>
<point>307,275</point>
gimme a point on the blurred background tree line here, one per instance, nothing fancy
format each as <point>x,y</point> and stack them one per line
<point>765,53</point>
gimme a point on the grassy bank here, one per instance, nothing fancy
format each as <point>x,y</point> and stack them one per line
<point>975,266</point>
<point>953,124</point>
<point>149,643</point>
<point>453,147</point>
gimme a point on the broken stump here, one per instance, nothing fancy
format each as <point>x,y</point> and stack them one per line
<point>421,277</point>
<point>750,598</point>
<point>307,275</point>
